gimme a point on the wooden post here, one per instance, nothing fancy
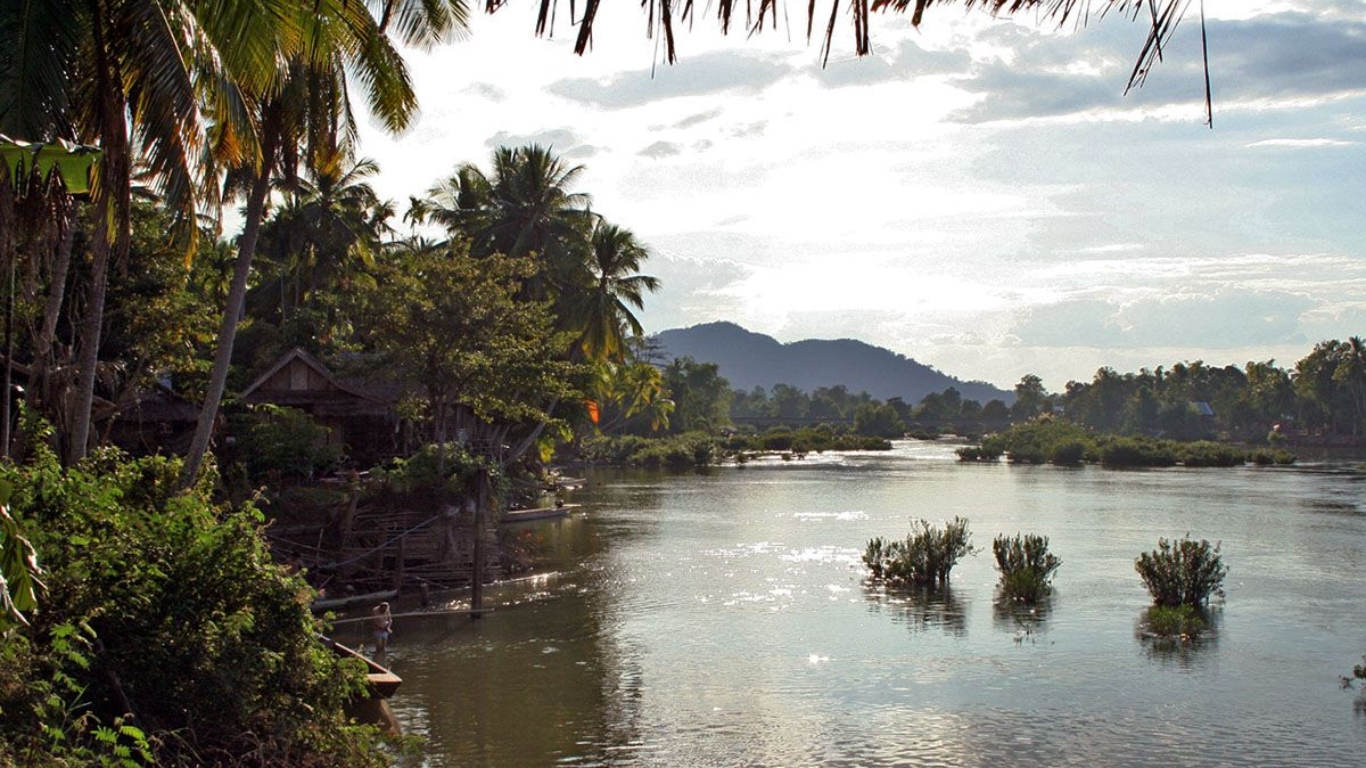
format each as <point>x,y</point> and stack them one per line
<point>482,499</point>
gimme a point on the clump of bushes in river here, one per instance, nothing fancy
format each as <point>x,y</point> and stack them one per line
<point>1174,622</point>
<point>1026,566</point>
<point>924,558</point>
<point>1182,572</point>
<point>804,440</point>
<point>685,451</point>
<point>1063,443</point>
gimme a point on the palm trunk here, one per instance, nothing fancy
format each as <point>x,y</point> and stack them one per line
<point>113,201</point>
<point>227,330</point>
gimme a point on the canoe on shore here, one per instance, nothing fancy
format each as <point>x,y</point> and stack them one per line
<point>542,513</point>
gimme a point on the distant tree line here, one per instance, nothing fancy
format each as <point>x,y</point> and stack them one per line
<point>1323,395</point>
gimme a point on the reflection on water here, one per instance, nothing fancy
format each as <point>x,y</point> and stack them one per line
<point>1182,651</point>
<point>1024,620</point>
<point>920,608</point>
<point>723,620</point>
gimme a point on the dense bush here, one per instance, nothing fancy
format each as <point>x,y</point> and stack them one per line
<point>690,449</point>
<point>1205,453</point>
<point>805,440</point>
<point>165,629</point>
<point>284,442</point>
<point>1182,572</point>
<point>1265,457</point>
<point>1026,566</point>
<point>1174,622</point>
<point>924,557</point>
<point>1130,452</point>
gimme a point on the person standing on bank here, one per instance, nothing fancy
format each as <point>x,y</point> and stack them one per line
<point>382,623</point>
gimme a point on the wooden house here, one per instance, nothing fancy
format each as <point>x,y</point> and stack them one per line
<point>360,415</point>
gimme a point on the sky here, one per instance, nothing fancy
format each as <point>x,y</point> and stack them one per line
<point>979,194</point>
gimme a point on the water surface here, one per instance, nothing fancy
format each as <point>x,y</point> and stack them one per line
<point>722,619</point>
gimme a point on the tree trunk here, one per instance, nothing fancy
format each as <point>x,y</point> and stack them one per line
<point>113,203</point>
<point>227,330</point>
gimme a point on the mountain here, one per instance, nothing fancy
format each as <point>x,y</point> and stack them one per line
<point>749,359</point>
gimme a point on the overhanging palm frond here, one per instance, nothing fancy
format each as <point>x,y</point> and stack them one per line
<point>422,23</point>
<point>1162,15</point>
<point>39,43</point>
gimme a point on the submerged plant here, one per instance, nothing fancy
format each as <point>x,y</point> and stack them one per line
<point>924,557</point>
<point>1182,572</point>
<point>1026,566</point>
<point>1180,622</point>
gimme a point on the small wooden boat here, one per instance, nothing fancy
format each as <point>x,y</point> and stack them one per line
<point>542,513</point>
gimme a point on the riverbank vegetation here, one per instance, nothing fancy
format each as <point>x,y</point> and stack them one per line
<point>1059,441</point>
<point>164,634</point>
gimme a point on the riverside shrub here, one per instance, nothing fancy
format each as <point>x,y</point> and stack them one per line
<point>1026,566</point>
<point>1182,572</point>
<point>165,629</point>
<point>924,558</point>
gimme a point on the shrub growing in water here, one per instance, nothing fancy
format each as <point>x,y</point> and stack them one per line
<point>1181,622</point>
<point>924,557</point>
<point>1026,566</point>
<point>1182,572</point>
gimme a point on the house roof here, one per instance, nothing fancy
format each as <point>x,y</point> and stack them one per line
<point>257,387</point>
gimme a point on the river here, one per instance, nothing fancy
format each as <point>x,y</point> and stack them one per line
<point>722,619</point>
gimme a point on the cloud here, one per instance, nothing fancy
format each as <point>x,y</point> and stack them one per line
<point>707,74</point>
<point>1231,319</point>
<point>906,61</point>
<point>696,119</point>
<point>488,91</point>
<point>560,139</point>
<point>661,149</point>
<point>1282,59</point>
<point>1301,143</point>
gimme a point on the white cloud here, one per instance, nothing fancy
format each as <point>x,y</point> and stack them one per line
<point>980,195</point>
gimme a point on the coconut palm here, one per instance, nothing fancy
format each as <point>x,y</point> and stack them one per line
<point>524,205</point>
<point>129,75</point>
<point>327,235</point>
<point>599,308</point>
<point>310,117</point>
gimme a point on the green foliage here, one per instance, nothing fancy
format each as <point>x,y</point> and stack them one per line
<point>878,420</point>
<point>1182,572</point>
<point>284,442</point>
<point>19,571</point>
<point>1204,453</point>
<point>1174,622</point>
<point>167,607</point>
<point>1026,566</point>
<point>685,451</point>
<point>804,440</point>
<point>454,328</point>
<point>1264,457</point>
<point>924,558</point>
<point>700,394</point>
<point>445,472</point>
<point>1128,452</point>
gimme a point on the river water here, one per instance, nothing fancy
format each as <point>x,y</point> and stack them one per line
<point>722,619</point>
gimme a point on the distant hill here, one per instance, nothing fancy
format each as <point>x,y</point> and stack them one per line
<point>749,359</point>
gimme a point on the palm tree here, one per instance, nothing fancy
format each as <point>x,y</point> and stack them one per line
<point>599,309</point>
<point>130,75</point>
<point>311,117</point>
<point>524,206</point>
<point>327,235</point>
